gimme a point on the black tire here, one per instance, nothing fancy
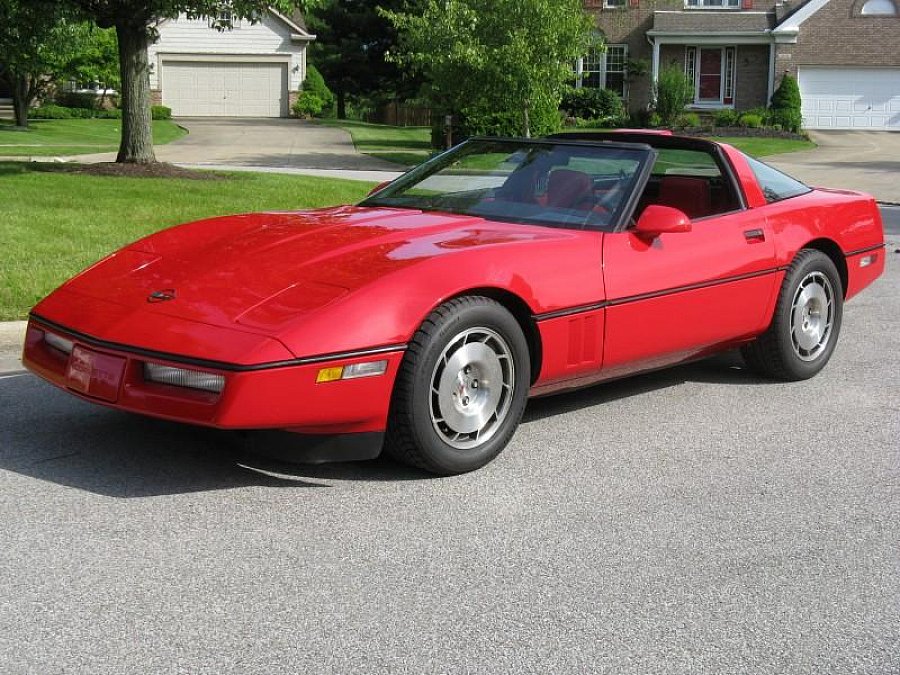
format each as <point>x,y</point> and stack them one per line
<point>806,323</point>
<point>438,396</point>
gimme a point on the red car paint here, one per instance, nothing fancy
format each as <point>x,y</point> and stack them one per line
<point>268,300</point>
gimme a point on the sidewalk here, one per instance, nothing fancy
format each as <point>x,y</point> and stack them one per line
<point>12,335</point>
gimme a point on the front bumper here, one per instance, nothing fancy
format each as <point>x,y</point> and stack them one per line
<point>272,397</point>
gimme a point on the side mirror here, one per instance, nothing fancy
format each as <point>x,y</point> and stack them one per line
<point>378,187</point>
<point>657,220</point>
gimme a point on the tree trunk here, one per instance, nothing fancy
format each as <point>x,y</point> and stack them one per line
<point>341,104</point>
<point>21,100</point>
<point>527,118</point>
<point>136,145</point>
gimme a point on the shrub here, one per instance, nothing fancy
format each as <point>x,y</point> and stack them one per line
<point>750,120</point>
<point>592,104</point>
<point>73,99</point>
<point>50,112</point>
<point>688,120</point>
<point>315,84</point>
<point>606,123</point>
<point>671,93</point>
<point>786,105</point>
<point>726,118</point>
<point>158,112</point>
<point>111,114</point>
<point>308,104</point>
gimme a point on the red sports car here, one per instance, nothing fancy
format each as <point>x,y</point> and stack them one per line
<point>421,319</point>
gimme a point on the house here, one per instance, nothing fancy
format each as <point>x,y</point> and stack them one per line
<point>845,54</point>
<point>253,70</point>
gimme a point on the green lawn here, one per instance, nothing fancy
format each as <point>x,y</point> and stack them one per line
<point>45,138</point>
<point>55,224</point>
<point>763,147</point>
<point>402,145</point>
<point>411,145</point>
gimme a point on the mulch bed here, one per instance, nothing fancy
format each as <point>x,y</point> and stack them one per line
<point>154,170</point>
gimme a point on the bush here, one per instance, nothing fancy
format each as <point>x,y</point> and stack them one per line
<point>72,99</point>
<point>671,92</point>
<point>726,118</point>
<point>688,120</point>
<point>750,120</point>
<point>592,104</point>
<point>158,112</point>
<point>111,114</point>
<point>606,123</point>
<point>315,84</point>
<point>50,112</point>
<point>308,104</point>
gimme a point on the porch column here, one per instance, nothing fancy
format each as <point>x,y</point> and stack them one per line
<point>655,59</point>
<point>771,72</point>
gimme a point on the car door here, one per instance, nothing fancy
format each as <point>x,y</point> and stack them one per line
<point>681,295</point>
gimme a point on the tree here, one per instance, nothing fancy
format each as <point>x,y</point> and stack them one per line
<point>352,38</point>
<point>135,23</point>
<point>97,57</point>
<point>500,65</point>
<point>37,43</point>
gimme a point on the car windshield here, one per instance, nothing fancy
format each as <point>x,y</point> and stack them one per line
<point>559,184</point>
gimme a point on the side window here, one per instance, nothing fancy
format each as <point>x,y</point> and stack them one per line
<point>776,185</point>
<point>691,181</point>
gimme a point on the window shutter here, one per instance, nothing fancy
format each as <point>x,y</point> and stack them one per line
<point>746,4</point>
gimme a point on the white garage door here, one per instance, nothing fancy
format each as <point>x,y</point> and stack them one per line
<point>850,98</point>
<point>216,89</point>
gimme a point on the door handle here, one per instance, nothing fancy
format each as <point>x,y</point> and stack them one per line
<point>753,236</point>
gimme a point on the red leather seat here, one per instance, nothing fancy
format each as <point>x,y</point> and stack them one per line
<point>569,189</point>
<point>686,193</point>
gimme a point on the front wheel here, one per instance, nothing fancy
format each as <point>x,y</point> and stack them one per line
<point>806,324</point>
<point>461,389</point>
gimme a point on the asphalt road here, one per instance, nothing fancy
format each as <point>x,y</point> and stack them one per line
<point>698,520</point>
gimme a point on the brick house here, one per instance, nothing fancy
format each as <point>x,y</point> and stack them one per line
<point>844,53</point>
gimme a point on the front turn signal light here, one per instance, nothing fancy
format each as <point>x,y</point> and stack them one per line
<point>352,372</point>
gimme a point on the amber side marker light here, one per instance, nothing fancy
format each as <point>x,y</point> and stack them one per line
<point>351,372</point>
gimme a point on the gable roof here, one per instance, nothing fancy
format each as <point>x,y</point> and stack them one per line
<point>791,23</point>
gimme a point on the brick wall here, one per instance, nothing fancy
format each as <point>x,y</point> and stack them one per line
<point>837,35</point>
<point>751,76</point>
<point>629,26</point>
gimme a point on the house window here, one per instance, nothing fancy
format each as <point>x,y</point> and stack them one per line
<point>604,70</point>
<point>613,4</point>
<point>616,57</point>
<point>879,8</point>
<point>712,4</point>
<point>728,85</point>
<point>712,70</point>
<point>224,17</point>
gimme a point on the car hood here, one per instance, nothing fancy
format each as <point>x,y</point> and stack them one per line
<point>259,271</point>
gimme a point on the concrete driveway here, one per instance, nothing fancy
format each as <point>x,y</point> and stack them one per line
<point>267,142</point>
<point>282,144</point>
<point>857,160</point>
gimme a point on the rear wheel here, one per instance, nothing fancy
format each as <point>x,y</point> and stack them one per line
<point>806,324</point>
<point>461,388</point>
